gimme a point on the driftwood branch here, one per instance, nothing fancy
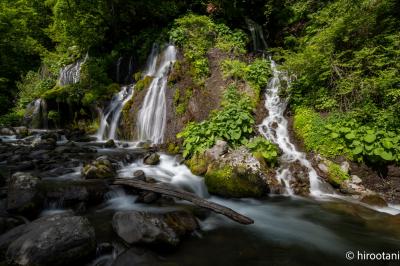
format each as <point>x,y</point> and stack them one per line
<point>184,195</point>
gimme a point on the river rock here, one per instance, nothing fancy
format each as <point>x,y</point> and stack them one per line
<point>220,148</point>
<point>101,168</point>
<point>110,144</point>
<point>356,180</point>
<point>141,227</point>
<point>136,256</point>
<point>152,159</point>
<point>44,144</point>
<point>374,200</point>
<point>22,194</point>
<point>61,239</point>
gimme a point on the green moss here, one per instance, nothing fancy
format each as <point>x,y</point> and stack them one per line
<point>335,175</point>
<point>173,148</point>
<point>181,101</point>
<point>137,76</point>
<point>143,83</point>
<point>237,182</point>
<point>198,164</point>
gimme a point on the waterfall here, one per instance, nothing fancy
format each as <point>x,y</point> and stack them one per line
<point>152,116</point>
<point>275,128</point>
<point>71,74</point>
<point>110,118</point>
<point>36,114</point>
<point>257,35</point>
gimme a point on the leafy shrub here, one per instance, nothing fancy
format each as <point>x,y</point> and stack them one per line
<point>197,34</point>
<point>11,119</point>
<point>262,147</point>
<point>332,136</point>
<point>234,124</point>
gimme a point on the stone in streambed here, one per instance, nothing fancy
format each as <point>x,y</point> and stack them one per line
<point>61,239</point>
<point>110,144</point>
<point>152,159</point>
<point>234,181</point>
<point>101,168</point>
<point>140,227</point>
<point>374,200</point>
<point>136,256</point>
<point>23,196</point>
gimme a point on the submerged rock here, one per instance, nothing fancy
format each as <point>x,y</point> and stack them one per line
<point>22,194</point>
<point>152,159</point>
<point>140,227</point>
<point>101,168</point>
<point>136,256</point>
<point>374,200</point>
<point>60,239</point>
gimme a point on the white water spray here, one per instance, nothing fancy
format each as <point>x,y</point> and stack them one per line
<point>152,116</point>
<point>275,128</point>
<point>71,74</point>
<point>109,120</point>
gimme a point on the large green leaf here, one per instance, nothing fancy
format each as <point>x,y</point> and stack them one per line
<point>370,138</point>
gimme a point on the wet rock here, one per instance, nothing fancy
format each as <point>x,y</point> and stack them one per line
<point>110,144</point>
<point>61,239</point>
<point>101,168</point>
<point>140,227</point>
<point>22,194</point>
<point>136,256</point>
<point>151,159</point>
<point>44,144</point>
<point>139,175</point>
<point>374,200</point>
<point>6,131</point>
<point>8,223</point>
<point>220,148</point>
<point>71,193</point>
<point>147,197</point>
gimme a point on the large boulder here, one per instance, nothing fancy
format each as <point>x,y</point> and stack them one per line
<point>374,200</point>
<point>101,168</point>
<point>23,196</point>
<point>61,239</point>
<point>141,227</point>
<point>236,174</point>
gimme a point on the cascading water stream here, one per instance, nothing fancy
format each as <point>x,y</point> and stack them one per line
<point>71,74</point>
<point>275,128</point>
<point>109,120</point>
<point>152,116</point>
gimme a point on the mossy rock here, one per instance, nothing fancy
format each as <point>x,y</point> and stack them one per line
<point>143,83</point>
<point>336,176</point>
<point>198,164</point>
<point>235,182</point>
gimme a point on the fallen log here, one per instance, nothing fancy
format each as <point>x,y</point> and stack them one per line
<point>184,195</point>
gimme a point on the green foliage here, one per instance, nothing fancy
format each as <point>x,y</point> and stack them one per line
<point>32,87</point>
<point>338,135</point>
<point>143,83</point>
<point>262,147</point>
<point>335,174</point>
<point>197,34</point>
<point>11,119</point>
<point>181,101</point>
<point>234,124</point>
<point>256,74</point>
